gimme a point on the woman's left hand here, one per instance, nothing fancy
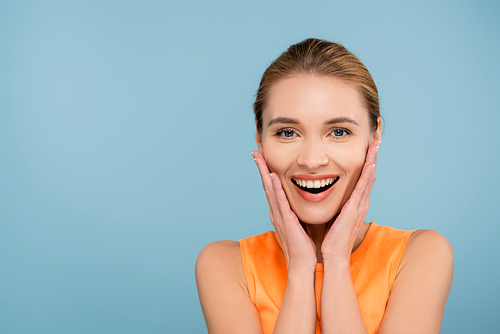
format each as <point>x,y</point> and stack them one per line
<point>340,238</point>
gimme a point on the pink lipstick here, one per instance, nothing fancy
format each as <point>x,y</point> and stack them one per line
<point>314,188</point>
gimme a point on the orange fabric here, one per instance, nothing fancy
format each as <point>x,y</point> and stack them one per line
<point>373,269</point>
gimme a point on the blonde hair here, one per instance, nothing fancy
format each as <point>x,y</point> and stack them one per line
<point>321,57</point>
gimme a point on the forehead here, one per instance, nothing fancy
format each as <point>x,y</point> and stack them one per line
<point>310,98</point>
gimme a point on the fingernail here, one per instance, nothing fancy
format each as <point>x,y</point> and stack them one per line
<point>252,154</point>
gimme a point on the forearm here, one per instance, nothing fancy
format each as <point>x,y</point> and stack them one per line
<point>340,311</point>
<point>298,310</point>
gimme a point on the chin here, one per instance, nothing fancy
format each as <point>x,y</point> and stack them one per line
<point>315,217</point>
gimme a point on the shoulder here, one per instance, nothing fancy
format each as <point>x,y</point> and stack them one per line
<point>429,248</point>
<point>218,255</point>
<point>429,237</point>
<point>427,265</point>
<point>220,261</point>
<point>218,250</point>
<point>422,285</point>
<point>222,290</point>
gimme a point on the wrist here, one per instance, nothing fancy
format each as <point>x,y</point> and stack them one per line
<point>341,257</point>
<point>337,263</point>
<point>301,275</point>
<point>340,254</point>
<point>300,284</point>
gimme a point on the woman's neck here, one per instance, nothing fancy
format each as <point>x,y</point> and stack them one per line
<point>317,233</point>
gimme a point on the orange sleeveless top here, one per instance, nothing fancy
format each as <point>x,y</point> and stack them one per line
<point>373,269</point>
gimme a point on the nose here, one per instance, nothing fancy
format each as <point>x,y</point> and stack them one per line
<point>312,156</point>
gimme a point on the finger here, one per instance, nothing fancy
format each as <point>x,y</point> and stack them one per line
<point>284,206</point>
<point>372,160</point>
<point>363,183</point>
<point>371,176</point>
<point>368,189</point>
<point>361,192</point>
<point>371,156</point>
<point>356,207</point>
<point>369,169</point>
<point>261,165</point>
<point>267,183</point>
<point>278,205</point>
<point>263,170</point>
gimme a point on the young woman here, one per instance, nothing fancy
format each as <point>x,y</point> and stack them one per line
<point>323,269</point>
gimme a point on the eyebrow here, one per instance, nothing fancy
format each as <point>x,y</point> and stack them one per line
<point>342,120</point>
<point>283,120</point>
<point>286,120</point>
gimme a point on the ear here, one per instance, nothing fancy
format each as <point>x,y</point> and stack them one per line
<point>258,140</point>
<point>377,135</point>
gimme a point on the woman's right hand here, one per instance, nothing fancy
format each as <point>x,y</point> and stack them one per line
<point>297,245</point>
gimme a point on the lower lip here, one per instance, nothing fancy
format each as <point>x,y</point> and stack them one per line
<point>314,197</point>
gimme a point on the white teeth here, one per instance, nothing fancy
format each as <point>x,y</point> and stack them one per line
<point>316,183</point>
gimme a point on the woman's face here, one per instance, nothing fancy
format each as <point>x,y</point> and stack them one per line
<point>315,137</point>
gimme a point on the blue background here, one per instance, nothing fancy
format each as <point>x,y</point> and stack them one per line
<point>126,130</point>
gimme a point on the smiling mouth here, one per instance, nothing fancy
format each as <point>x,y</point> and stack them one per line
<point>316,186</point>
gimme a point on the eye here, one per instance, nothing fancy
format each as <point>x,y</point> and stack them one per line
<point>286,133</point>
<point>340,133</point>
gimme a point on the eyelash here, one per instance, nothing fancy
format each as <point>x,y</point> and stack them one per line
<point>347,132</point>
<point>280,132</point>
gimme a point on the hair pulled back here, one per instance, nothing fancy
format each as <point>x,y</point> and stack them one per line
<point>320,57</point>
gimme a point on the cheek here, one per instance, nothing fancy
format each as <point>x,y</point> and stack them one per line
<point>351,160</point>
<point>277,159</point>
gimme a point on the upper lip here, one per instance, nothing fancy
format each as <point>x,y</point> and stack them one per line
<point>313,177</point>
